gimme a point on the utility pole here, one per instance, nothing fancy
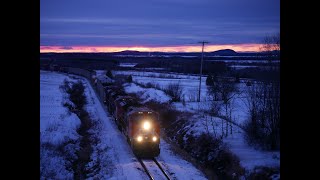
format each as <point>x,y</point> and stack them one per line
<point>203,42</point>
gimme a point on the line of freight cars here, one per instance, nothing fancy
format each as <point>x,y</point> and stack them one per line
<point>138,123</point>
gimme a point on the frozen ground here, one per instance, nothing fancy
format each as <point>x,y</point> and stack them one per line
<point>57,127</point>
<point>249,157</point>
<point>189,83</point>
<point>122,160</point>
<point>147,94</point>
<point>112,157</point>
<point>112,154</point>
<point>176,166</point>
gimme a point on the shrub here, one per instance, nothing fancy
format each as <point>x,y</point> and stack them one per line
<point>77,95</point>
<point>109,74</point>
<point>209,80</point>
<point>129,79</point>
<point>174,90</point>
<point>262,173</point>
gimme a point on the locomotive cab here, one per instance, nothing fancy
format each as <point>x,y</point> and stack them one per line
<point>144,133</point>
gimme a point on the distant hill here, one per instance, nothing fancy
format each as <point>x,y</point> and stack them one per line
<point>225,52</point>
<point>130,52</point>
<point>214,55</point>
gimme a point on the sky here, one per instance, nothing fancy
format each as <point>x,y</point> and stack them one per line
<point>156,25</point>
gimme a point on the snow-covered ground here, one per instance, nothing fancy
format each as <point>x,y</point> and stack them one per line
<point>57,127</point>
<point>147,94</point>
<point>119,155</point>
<point>243,61</point>
<point>249,157</point>
<point>112,154</point>
<point>189,83</point>
<point>176,166</point>
<point>112,157</point>
<point>127,64</point>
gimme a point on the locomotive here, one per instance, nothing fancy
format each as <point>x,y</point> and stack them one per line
<point>138,123</point>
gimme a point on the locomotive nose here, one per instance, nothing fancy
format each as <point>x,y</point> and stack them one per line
<point>146,125</point>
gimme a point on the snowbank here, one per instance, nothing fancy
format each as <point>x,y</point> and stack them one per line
<point>57,127</point>
<point>147,94</point>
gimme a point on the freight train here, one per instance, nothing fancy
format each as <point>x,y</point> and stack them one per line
<point>138,123</point>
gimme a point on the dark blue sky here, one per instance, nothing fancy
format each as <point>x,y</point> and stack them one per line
<point>156,22</point>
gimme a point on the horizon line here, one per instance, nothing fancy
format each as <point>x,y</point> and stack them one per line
<point>254,47</point>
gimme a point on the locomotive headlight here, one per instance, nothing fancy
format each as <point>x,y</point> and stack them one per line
<point>139,138</point>
<point>146,125</point>
<point>154,138</point>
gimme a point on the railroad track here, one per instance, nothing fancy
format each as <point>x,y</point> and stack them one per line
<point>152,165</point>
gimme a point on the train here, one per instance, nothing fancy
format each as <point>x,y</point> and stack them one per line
<point>137,122</point>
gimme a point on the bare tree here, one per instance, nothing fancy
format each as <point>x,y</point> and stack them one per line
<point>263,102</point>
<point>225,89</point>
<point>271,46</point>
<point>271,43</point>
<point>175,91</point>
<point>228,91</point>
<point>214,88</point>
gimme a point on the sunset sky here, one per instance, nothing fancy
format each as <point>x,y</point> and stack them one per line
<point>156,25</point>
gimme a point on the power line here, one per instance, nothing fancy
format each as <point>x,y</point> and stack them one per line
<point>203,42</point>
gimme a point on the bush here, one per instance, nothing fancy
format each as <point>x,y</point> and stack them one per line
<point>174,90</point>
<point>212,152</point>
<point>76,94</point>
<point>263,173</point>
<point>129,79</point>
<point>209,80</point>
<point>109,74</point>
<point>215,108</point>
<point>263,126</point>
<point>209,151</point>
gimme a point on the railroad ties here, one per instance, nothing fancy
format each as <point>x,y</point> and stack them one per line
<point>148,166</point>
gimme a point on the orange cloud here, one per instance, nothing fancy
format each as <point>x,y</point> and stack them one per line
<point>208,48</point>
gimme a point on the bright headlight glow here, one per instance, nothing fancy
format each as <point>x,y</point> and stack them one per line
<point>146,125</point>
<point>139,138</point>
<point>154,138</point>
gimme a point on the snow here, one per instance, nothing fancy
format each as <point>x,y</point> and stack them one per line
<point>242,66</point>
<point>189,83</point>
<point>112,154</point>
<point>176,166</point>
<point>249,157</point>
<point>112,157</point>
<point>147,94</point>
<point>200,122</point>
<point>127,64</point>
<point>242,61</point>
<point>57,126</point>
<point>101,75</point>
<point>133,88</point>
<point>118,154</point>
<point>190,87</point>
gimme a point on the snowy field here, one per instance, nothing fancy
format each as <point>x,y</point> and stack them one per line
<point>57,127</point>
<point>243,61</point>
<point>147,94</point>
<point>127,64</point>
<point>189,83</point>
<point>112,157</point>
<point>249,157</point>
